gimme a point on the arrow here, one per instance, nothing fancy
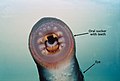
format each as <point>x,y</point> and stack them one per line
<point>80,34</point>
<point>96,62</point>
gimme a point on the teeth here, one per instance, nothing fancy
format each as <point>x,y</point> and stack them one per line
<point>39,33</point>
<point>49,28</point>
<point>62,46</point>
<point>44,29</point>
<point>44,52</point>
<point>59,33</point>
<point>40,40</point>
<point>40,29</point>
<point>55,28</point>
<point>61,39</point>
<point>41,47</point>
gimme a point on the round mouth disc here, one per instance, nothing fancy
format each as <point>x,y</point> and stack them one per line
<point>51,41</point>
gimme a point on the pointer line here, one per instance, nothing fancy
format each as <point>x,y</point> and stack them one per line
<point>80,34</point>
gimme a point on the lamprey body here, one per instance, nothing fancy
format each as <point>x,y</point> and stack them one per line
<point>52,47</point>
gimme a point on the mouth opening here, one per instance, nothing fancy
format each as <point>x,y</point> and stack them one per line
<point>51,43</point>
<point>52,39</point>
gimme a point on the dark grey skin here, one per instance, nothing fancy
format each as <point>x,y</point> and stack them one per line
<point>56,61</point>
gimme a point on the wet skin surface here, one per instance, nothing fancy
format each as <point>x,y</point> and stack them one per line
<point>52,46</point>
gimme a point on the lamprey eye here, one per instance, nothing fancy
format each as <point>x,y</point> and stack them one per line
<point>51,41</point>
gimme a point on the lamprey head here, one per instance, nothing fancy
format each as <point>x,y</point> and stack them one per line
<point>51,42</point>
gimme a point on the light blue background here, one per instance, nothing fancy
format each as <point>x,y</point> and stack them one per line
<point>18,16</point>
